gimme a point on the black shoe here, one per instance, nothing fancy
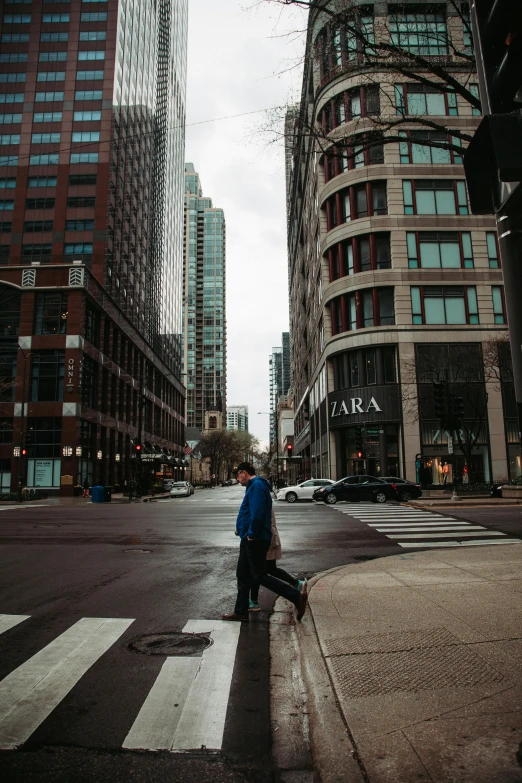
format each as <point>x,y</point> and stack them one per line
<point>301,604</point>
<point>239,618</point>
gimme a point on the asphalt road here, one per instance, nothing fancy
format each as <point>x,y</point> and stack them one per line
<point>156,566</point>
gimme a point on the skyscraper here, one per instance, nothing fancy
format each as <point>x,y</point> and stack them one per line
<point>237,417</point>
<point>204,304</point>
<point>395,288</point>
<point>92,98</point>
<point>280,378</point>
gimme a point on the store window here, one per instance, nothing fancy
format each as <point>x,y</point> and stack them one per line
<point>51,313</point>
<point>444,305</point>
<point>47,374</point>
<point>435,197</point>
<point>439,250</point>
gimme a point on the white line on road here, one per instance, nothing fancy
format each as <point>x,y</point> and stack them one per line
<point>30,693</point>
<point>450,535</point>
<point>425,544</point>
<point>402,529</point>
<point>12,508</point>
<point>8,621</point>
<point>415,522</point>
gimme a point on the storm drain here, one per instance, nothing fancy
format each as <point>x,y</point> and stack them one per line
<point>170,643</point>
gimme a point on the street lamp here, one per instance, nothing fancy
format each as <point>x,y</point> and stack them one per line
<point>20,477</point>
<point>266,413</point>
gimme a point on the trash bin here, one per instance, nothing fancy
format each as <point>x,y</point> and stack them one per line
<point>97,494</point>
<point>107,494</point>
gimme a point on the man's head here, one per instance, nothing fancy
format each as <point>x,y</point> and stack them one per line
<point>245,471</point>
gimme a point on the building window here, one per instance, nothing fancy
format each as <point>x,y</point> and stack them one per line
<point>101,16</point>
<point>474,90</point>
<point>499,311</point>
<point>10,119</point>
<point>5,228</point>
<point>50,313</point>
<point>493,255</point>
<point>350,105</point>
<point>92,326</point>
<point>52,57</point>
<point>82,179</point>
<point>44,160</point>
<point>93,35</point>
<point>15,37</point>
<point>12,78</point>
<point>79,225</point>
<point>439,250</point>
<point>48,97</point>
<point>89,388</point>
<point>81,201</point>
<point>419,32</point>
<point>52,37</point>
<point>444,305</point>
<point>33,226</point>
<point>365,152</point>
<point>9,139</point>
<point>38,252</point>
<point>362,309</point>
<point>84,157</point>
<point>51,76</point>
<point>39,203</point>
<point>48,116</point>
<point>6,205</point>
<point>435,197</point>
<point>8,160</point>
<point>360,254</point>
<point>4,253</point>
<point>15,57</point>
<point>86,116</point>
<point>416,147</point>
<point>47,372</point>
<point>365,367</point>
<point>42,182</point>
<point>91,55</point>
<point>88,95</point>
<point>45,138</point>
<point>368,198</point>
<point>59,18</point>
<point>86,76</point>
<point>420,100</point>
<point>86,136</point>
<point>12,97</point>
<point>9,312</point>
<point>47,437</point>
<point>6,430</point>
<point>79,248</point>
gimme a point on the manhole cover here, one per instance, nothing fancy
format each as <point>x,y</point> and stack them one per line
<point>184,644</point>
<point>137,551</point>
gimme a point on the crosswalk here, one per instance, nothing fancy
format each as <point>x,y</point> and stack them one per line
<point>184,710</point>
<point>416,528</point>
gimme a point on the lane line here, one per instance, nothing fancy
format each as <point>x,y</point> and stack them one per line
<point>30,693</point>
<point>158,719</point>
<point>8,621</point>
<point>202,720</point>
<point>450,535</point>
<point>425,544</point>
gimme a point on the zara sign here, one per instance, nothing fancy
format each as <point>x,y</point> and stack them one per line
<point>365,404</point>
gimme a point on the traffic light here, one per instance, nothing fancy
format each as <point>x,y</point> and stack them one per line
<point>359,442</point>
<point>137,449</point>
<point>439,402</point>
<point>289,450</point>
<point>497,29</point>
<point>457,409</point>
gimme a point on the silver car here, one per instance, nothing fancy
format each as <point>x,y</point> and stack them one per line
<point>302,491</point>
<point>181,489</point>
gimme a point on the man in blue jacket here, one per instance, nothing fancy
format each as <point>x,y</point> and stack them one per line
<point>254,527</point>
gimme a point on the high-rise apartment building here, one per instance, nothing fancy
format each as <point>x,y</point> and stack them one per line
<point>204,304</point>
<point>237,417</point>
<point>280,379</point>
<point>92,110</point>
<point>394,286</point>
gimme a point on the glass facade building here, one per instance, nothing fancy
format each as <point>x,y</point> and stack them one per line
<point>204,303</point>
<point>92,112</point>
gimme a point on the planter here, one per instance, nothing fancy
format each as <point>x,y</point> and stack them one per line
<point>513,492</point>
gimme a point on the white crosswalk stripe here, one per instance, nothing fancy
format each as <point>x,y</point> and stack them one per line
<point>8,621</point>
<point>30,693</point>
<point>410,527</point>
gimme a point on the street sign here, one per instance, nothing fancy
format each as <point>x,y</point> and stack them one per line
<point>372,431</point>
<point>450,444</point>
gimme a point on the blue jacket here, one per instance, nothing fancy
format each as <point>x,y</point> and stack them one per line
<point>255,515</point>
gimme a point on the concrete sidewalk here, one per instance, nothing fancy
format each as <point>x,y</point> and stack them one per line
<point>423,652</point>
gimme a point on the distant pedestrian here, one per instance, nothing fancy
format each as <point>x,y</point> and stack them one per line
<point>86,485</point>
<point>254,527</point>
<point>274,554</point>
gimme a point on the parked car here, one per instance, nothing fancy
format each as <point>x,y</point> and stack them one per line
<point>496,489</point>
<point>302,491</point>
<point>406,490</point>
<point>181,488</point>
<point>357,488</point>
<point>167,484</point>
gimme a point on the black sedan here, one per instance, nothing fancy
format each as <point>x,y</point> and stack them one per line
<point>356,488</point>
<point>406,490</point>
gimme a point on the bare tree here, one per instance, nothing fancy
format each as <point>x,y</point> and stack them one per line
<point>380,56</point>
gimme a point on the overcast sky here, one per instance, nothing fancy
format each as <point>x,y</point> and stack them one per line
<point>241,60</point>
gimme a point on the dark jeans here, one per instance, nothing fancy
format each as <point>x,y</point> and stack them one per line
<point>251,569</point>
<point>273,569</point>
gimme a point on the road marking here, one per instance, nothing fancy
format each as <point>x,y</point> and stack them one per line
<point>450,535</point>
<point>11,508</point>
<point>425,544</point>
<point>156,724</point>
<point>30,693</point>
<point>400,529</point>
<point>413,522</point>
<point>8,621</point>
<point>187,706</point>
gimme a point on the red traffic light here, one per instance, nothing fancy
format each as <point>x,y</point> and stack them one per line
<point>24,452</point>
<point>138,447</point>
<point>359,454</point>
